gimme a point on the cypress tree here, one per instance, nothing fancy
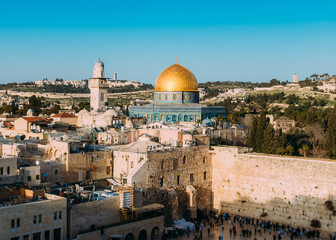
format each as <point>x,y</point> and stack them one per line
<point>330,143</point>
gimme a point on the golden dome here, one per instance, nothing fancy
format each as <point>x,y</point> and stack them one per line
<point>176,78</point>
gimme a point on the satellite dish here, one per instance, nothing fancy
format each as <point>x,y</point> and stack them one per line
<point>37,163</point>
<point>22,137</point>
<point>21,161</point>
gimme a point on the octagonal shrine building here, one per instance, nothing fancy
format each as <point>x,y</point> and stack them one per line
<point>176,99</point>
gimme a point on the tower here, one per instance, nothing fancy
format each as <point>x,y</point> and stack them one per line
<point>295,78</point>
<point>98,87</point>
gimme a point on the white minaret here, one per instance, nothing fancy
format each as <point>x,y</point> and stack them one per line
<point>98,88</point>
<point>295,78</point>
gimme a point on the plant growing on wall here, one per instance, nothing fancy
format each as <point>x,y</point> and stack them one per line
<point>264,214</point>
<point>329,205</point>
<point>315,223</point>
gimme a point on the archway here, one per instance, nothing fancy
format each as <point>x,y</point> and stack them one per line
<point>129,236</point>
<point>155,234</point>
<point>50,154</point>
<point>142,235</point>
<point>55,154</point>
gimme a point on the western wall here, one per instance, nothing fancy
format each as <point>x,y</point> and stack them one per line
<point>283,189</point>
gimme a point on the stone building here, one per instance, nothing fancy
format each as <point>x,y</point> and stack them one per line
<point>27,214</point>
<point>65,118</point>
<point>283,123</point>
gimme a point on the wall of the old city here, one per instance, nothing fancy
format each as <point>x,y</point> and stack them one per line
<point>291,190</point>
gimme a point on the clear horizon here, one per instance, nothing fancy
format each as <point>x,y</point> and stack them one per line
<point>216,40</point>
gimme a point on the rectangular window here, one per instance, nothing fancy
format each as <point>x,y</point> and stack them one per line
<point>55,215</point>
<point>57,234</point>
<point>178,180</point>
<point>26,237</point>
<point>56,171</point>
<point>191,177</point>
<point>40,218</point>
<point>34,220</point>
<point>28,178</point>
<point>161,182</point>
<point>8,170</point>
<point>204,175</point>
<point>108,170</point>
<point>13,224</point>
<point>37,236</point>
<point>60,215</point>
<point>37,177</point>
<point>47,235</point>
<point>1,171</point>
<point>18,222</point>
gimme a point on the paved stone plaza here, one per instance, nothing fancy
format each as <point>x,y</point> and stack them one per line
<point>216,231</point>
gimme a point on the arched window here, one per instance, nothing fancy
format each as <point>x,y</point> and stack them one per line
<point>204,159</point>
<point>184,160</point>
<point>186,118</point>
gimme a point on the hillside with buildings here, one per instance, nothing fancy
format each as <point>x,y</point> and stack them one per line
<point>75,169</point>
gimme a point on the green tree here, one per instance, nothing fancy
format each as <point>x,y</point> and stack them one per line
<point>262,136</point>
<point>35,103</point>
<point>330,142</point>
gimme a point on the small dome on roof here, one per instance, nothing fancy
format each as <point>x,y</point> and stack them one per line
<point>30,110</point>
<point>111,112</point>
<point>83,111</point>
<point>99,63</point>
<point>207,123</point>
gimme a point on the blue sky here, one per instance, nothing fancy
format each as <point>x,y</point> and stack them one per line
<point>217,40</point>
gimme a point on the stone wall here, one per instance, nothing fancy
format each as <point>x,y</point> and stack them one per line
<point>167,168</point>
<point>99,214</point>
<point>96,164</point>
<point>289,190</point>
<point>141,228</point>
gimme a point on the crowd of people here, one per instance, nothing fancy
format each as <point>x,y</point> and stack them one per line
<point>234,226</point>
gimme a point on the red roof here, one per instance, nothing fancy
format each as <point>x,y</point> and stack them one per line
<point>36,119</point>
<point>8,124</point>
<point>64,115</point>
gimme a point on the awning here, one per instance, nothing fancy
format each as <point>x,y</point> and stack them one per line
<point>148,208</point>
<point>112,181</point>
<point>180,227</point>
